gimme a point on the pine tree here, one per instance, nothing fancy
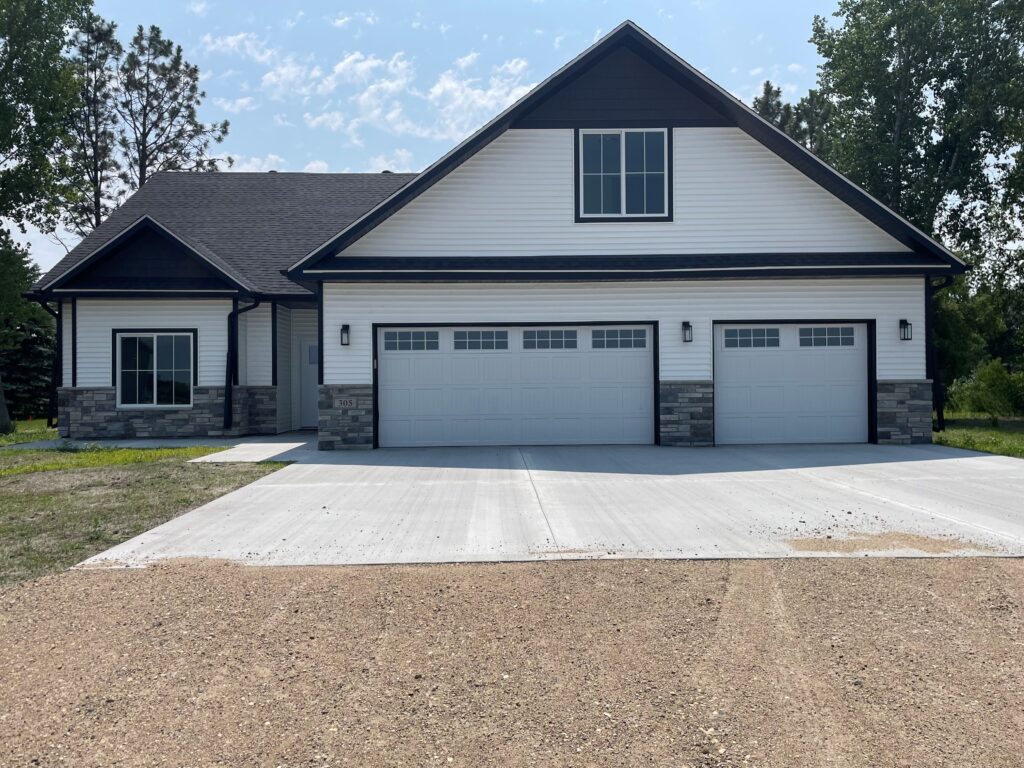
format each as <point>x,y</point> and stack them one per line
<point>158,100</point>
<point>93,156</point>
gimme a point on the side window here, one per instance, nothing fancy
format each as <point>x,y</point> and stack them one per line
<point>154,369</point>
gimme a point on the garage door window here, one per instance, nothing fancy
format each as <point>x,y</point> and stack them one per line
<point>619,338</point>
<point>468,340</point>
<point>738,338</point>
<point>549,339</point>
<point>410,341</point>
<point>835,336</point>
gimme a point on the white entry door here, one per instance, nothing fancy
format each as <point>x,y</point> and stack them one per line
<point>555,385</point>
<point>791,383</point>
<point>308,383</point>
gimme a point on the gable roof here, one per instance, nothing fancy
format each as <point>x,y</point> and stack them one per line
<point>249,226</point>
<point>719,102</point>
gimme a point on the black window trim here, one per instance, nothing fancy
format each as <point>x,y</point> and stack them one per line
<point>578,194</point>
<point>114,358</point>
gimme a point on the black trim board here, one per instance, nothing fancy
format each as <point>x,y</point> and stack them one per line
<point>319,333</point>
<point>194,332</point>
<point>655,360</point>
<point>273,343</point>
<point>871,353</point>
<point>734,111</point>
<point>74,342</point>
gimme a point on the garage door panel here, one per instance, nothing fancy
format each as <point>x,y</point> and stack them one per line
<point>791,392</point>
<point>517,395</point>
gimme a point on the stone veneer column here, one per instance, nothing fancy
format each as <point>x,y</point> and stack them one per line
<point>905,412</point>
<point>687,413</point>
<point>346,417</point>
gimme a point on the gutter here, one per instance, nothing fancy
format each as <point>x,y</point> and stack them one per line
<point>231,371</point>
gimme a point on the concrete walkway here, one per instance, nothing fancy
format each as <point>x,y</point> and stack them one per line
<point>487,504</point>
<point>289,446</point>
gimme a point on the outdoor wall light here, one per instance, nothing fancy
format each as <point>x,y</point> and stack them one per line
<point>344,335</point>
<point>687,331</point>
<point>906,330</point>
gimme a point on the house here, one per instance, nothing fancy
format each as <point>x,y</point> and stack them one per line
<point>626,255</point>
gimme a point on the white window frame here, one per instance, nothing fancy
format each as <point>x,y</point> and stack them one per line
<point>622,173</point>
<point>506,348</point>
<point>192,340</point>
<point>563,329</point>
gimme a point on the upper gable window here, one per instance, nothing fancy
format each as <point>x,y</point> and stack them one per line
<point>623,174</point>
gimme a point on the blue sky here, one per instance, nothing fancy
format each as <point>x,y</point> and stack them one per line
<point>319,85</point>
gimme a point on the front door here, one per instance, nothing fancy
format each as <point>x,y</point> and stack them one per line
<point>308,376</point>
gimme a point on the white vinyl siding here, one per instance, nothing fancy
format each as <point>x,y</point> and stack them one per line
<point>284,366</point>
<point>256,353</point>
<point>98,317</point>
<point>884,299</point>
<point>516,198</point>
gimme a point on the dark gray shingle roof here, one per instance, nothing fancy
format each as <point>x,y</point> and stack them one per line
<point>257,224</point>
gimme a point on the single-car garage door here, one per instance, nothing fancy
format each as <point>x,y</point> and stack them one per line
<point>791,383</point>
<point>508,385</point>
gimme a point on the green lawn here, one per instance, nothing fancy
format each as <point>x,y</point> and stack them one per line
<point>1007,439</point>
<point>59,507</point>
<point>28,432</point>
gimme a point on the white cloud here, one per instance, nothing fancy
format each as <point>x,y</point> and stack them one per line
<point>756,71</point>
<point>444,28</point>
<point>288,77</point>
<point>269,162</point>
<point>332,121</point>
<point>243,104</point>
<point>243,44</point>
<point>290,23</point>
<point>315,166</point>
<point>399,161</point>
<point>354,67</point>
<point>339,22</point>
<point>197,8</point>
<point>463,104</point>
<point>467,61</point>
<point>795,68</point>
<point>558,41</point>
<point>282,120</point>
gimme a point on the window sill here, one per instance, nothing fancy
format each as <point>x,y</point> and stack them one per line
<point>154,407</point>
<point>619,219</point>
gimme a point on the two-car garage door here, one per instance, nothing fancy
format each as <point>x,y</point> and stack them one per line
<point>514,385</point>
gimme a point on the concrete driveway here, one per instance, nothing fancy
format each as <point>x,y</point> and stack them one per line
<point>486,504</point>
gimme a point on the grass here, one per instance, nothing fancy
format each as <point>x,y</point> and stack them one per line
<point>58,507</point>
<point>1005,441</point>
<point>28,432</point>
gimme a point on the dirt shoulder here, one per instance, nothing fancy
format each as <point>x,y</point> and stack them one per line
<point>853,662</point>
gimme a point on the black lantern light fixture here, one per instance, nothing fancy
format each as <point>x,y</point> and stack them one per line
<point>344,335</point>
<point>906,330</point>
<point>687,331</point>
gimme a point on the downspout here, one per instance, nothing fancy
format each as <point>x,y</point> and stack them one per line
<point>932,359</point>
<point>58,358</point>
<point>231,372</point>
